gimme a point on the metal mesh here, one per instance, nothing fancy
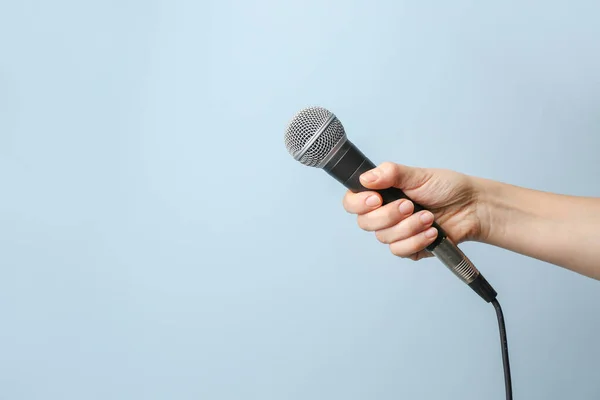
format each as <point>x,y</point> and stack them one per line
<point>303,127</point>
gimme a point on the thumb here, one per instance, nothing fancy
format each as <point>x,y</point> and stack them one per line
<point>391,174</point>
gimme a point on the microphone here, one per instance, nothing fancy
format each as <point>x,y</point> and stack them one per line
<point>316,138</point>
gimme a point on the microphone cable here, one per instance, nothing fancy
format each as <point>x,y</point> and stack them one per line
<point>504,345</point>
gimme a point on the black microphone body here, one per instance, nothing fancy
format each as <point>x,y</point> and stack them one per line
<point>346,163</point>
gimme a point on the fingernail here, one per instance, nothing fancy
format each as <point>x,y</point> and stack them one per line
<point>370,176</point>
<point>405,207</point>
<point>426,217</point>
<point>372,201</point>
<point>431,232</point>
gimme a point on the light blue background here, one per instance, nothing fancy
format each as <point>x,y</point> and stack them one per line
<point>158,242</point>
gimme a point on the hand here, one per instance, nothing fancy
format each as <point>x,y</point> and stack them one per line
<point>449,197</point>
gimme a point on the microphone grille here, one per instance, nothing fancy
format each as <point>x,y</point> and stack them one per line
<point>312,134</point>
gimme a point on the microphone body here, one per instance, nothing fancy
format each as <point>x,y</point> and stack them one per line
<point>346,163</point>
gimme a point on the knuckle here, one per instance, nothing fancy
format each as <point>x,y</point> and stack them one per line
<point>362,222</point>
<point>393,211</point>
<point>416,224</point>
<point>382,237</point>
<point>351,203</point>
<point>387,167</point>
<point>390,214</point>
<point>398,250</point>
<point>346,203</point>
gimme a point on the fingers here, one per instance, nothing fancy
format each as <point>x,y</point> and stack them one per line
<point>420,255</point>
<point>414,245</point>
<point>371,215</point>
<point>390,174</point>
<point>406,228</point>
<point>361,203</point>
<point>386,216</point>
<point>410,237</point>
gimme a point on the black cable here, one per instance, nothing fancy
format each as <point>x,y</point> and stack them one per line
<point>504,344</point>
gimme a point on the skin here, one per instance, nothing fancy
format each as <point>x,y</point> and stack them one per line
<point>559,229</point>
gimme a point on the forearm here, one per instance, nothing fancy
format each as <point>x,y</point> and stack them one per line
<point>559,229</point>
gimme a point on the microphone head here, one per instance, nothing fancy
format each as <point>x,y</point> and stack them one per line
<point>313,136</point>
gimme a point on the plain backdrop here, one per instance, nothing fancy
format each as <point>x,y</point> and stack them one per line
<point>158,242</point>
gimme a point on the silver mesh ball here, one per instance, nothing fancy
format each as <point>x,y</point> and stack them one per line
<point>305,124</point>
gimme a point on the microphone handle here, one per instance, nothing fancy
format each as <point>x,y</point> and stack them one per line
<point>346,166</point>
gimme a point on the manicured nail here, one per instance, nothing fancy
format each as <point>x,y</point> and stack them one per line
<point>431,232</point>
<point>372,201</point>
<point>370,176</point>
<point>405,207</point>
<point>426,217</point>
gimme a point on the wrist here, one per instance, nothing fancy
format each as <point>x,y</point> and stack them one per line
<point>489,210</point>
